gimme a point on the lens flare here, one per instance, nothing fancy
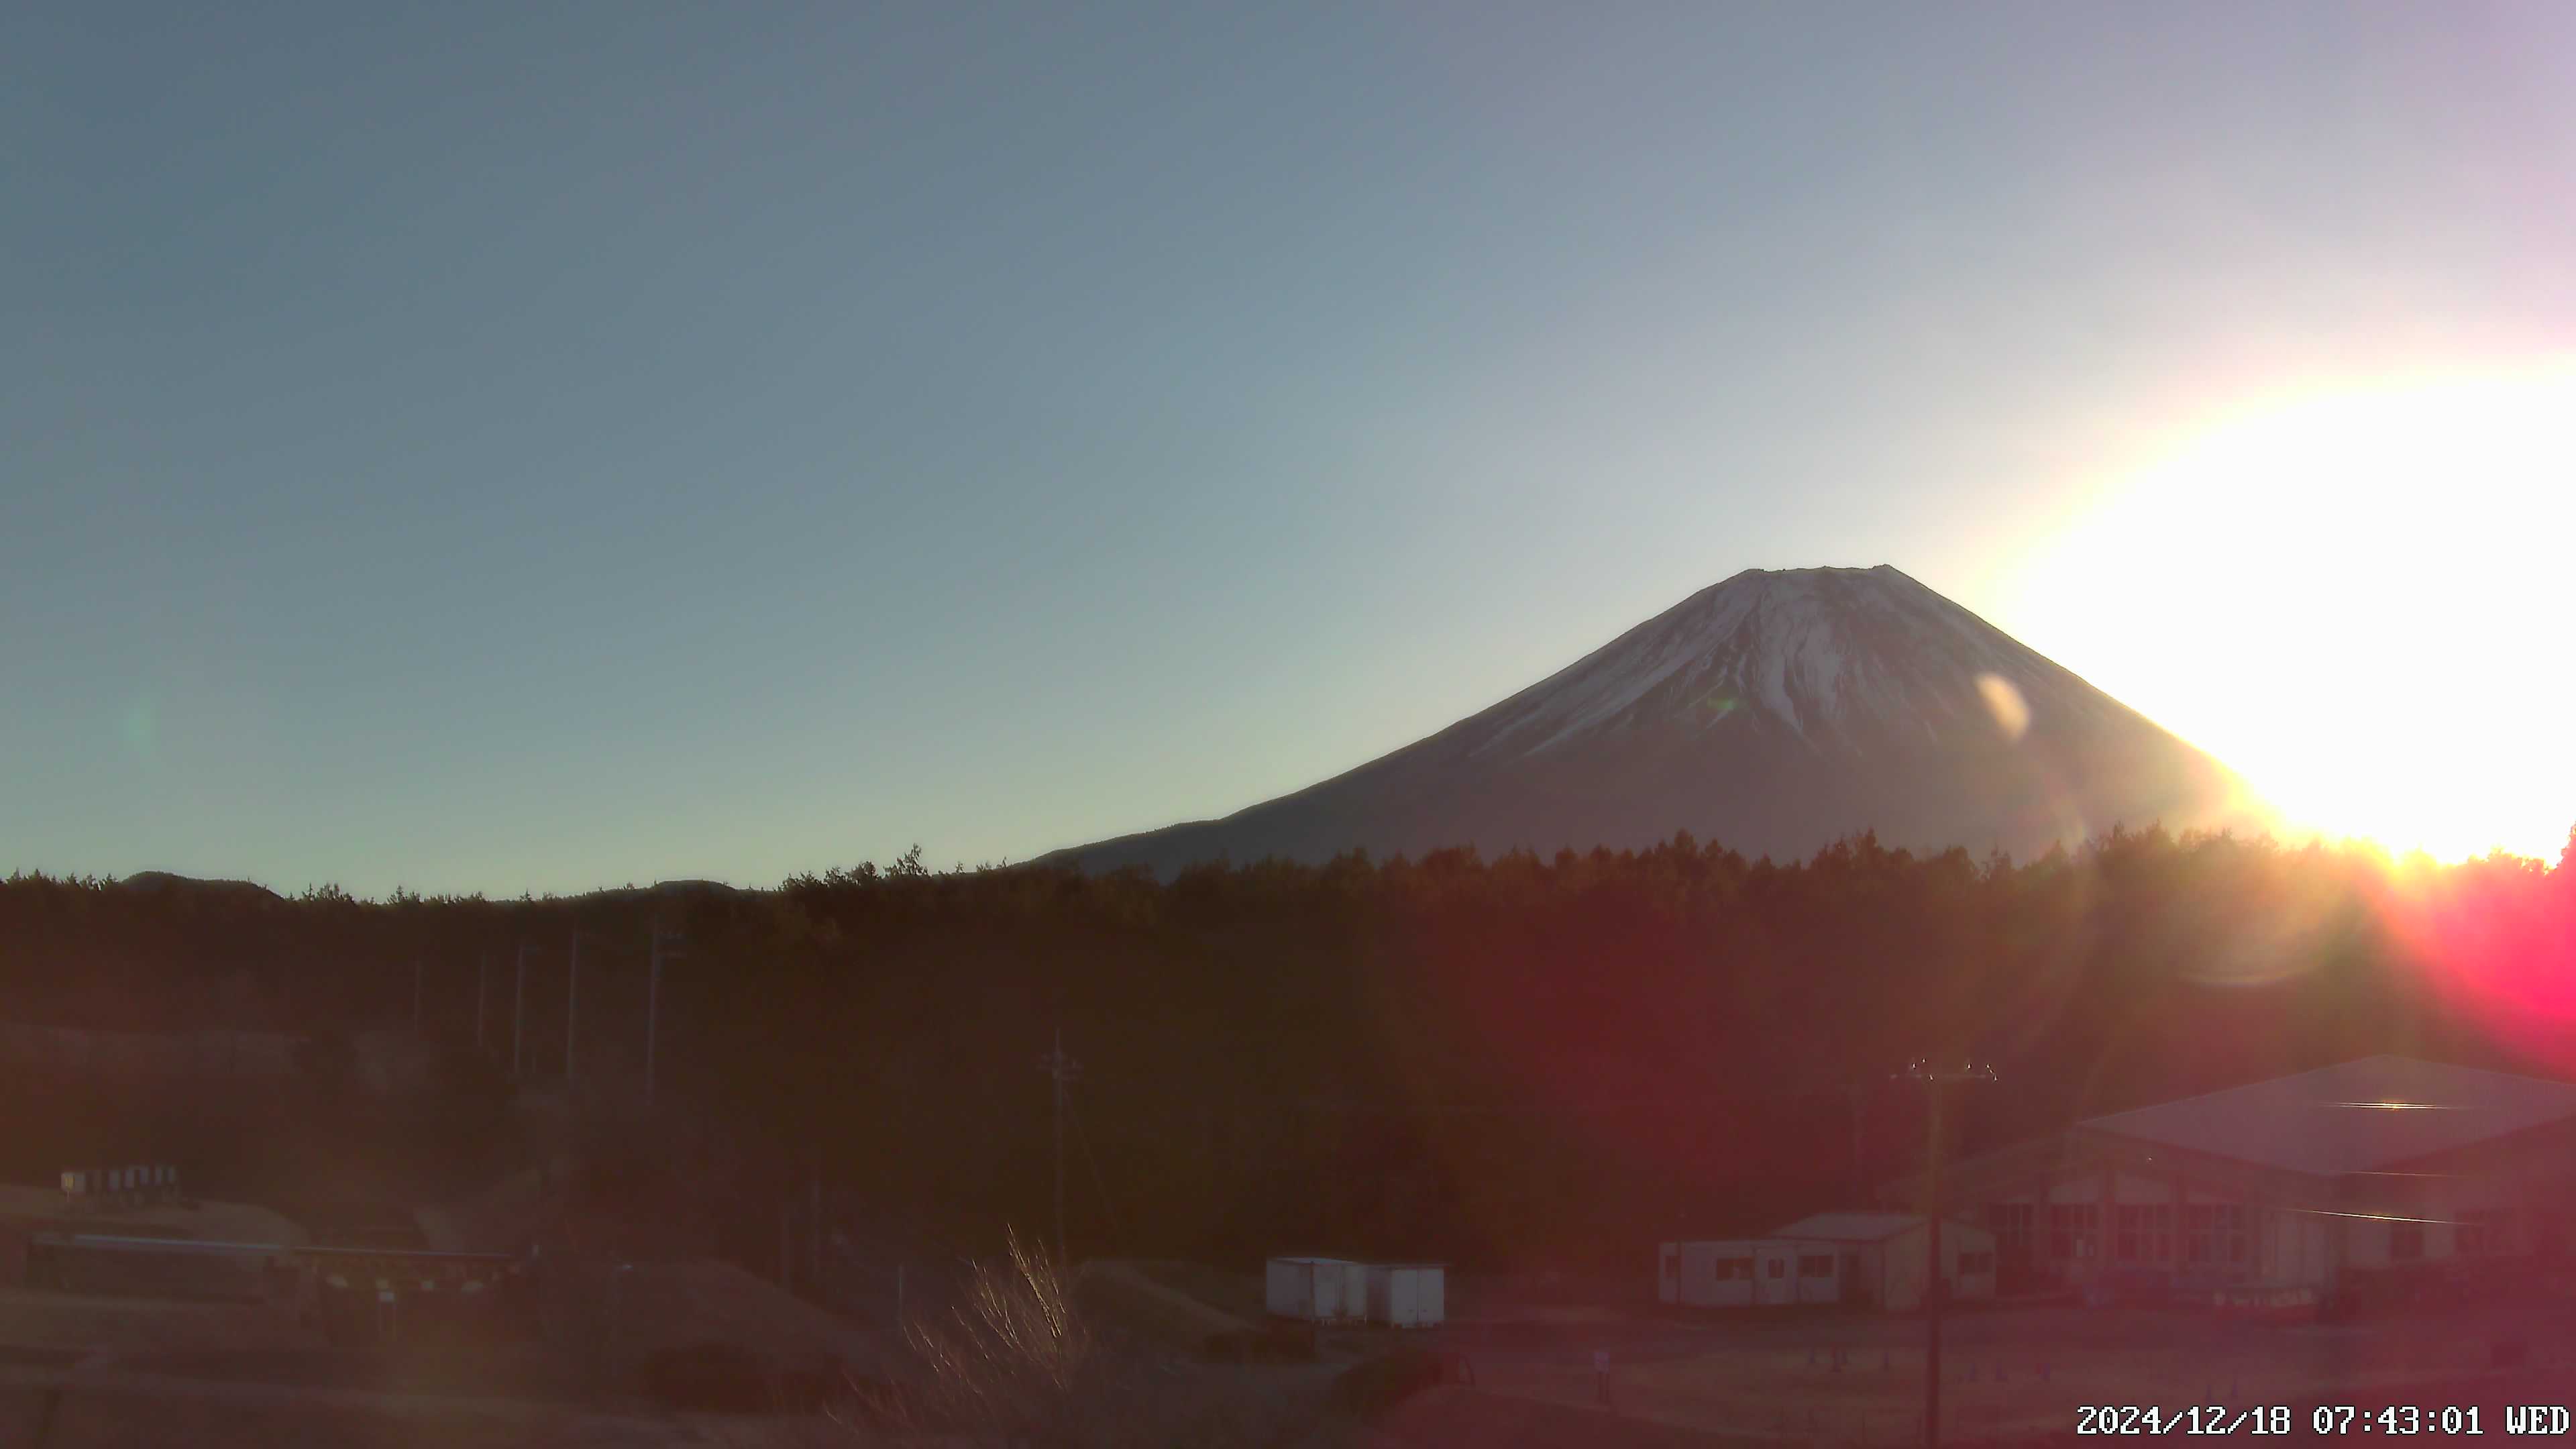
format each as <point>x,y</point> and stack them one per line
<point>2004,702</point>
<point>2353,597</point>
<point>2497,946</point>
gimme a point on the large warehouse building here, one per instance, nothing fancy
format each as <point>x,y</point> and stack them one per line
<point>2305,1180</point>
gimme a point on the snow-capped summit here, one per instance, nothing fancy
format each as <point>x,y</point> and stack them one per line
<point>1774,712</point>
<point>1829,653</point>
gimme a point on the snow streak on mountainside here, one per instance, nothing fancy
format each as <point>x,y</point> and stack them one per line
<point>1774,712</point>
<point>1832,654</point>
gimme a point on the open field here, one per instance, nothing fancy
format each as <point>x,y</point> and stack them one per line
<point>132,1412</point>
<point>1843,1378</point>
<point>1455,1418</point>
<point>2027,1371</point>
<point>37,1319</point>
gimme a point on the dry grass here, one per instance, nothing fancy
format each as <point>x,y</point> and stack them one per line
<point>1007,1360</point>
<point>1017,1362</point>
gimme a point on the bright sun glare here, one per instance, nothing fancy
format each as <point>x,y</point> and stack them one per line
<point>2360,600</point>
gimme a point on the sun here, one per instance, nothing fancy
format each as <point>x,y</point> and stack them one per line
<point>2362,600</point>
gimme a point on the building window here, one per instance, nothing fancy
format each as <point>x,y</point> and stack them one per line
<point>1733,1270</point>
<point>2011,1223</point>
<point>2236,1247</point>
<point>2469,1239</point>
<point>2162,1218</point>
<point>2164,1247</point>
<point>2200,1247</point>
<point>2481,1231</point>
<point>2200,1217</point>
<point>1971,1263</point>
<point>2061,1246</point>
<point>1779,1267</point>
<point>1816,1265</point>
<point>2405,1241</point>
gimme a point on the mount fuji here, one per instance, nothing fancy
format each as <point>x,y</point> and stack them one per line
<point>1774,713</point>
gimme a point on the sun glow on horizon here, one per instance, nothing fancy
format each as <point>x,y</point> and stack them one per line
<point>2359,600</point>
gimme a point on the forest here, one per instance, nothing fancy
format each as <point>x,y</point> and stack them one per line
<point>1524,1060</point>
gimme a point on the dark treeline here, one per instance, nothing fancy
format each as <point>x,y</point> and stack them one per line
<point>1528,1059</point>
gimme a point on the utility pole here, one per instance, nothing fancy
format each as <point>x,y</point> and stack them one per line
<point>1936,1286</point>
<point>572,1007</point>
<point>665,943</point>
<point>519,1016</point>
<point>1860,1176</point>
<point>1064,1070</point>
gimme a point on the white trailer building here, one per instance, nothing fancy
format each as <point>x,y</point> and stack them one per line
<point>1733,1273</point>
<point>1317,1290</point>
<point>1882,1260</point>
<point>1407,1295</point>
<point>1875,1260</point>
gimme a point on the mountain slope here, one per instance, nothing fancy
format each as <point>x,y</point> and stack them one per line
<point>1775,713</point>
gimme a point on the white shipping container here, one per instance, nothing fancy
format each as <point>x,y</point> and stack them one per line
<point>1407,1295</point>
<point>1318,1290</point>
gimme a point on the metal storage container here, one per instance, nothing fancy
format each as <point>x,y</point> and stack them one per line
<point>1318,1290</point>
<point>1407,1295</point>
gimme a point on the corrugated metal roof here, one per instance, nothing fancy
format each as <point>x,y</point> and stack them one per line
<point>2359,1116</point>
<point>1848,1227</point>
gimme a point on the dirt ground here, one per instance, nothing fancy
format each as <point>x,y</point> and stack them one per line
<point>136,1413</point>
<point>37,1319</point>
<point>675,1305</point>
<point>2027,1372</point>
<point>1849,1379</point>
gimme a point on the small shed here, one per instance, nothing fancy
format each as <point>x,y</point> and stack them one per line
<point>1408,1295</point>
<point>1317,1290</point>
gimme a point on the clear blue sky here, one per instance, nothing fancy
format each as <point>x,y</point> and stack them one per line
<point>500,447</point>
